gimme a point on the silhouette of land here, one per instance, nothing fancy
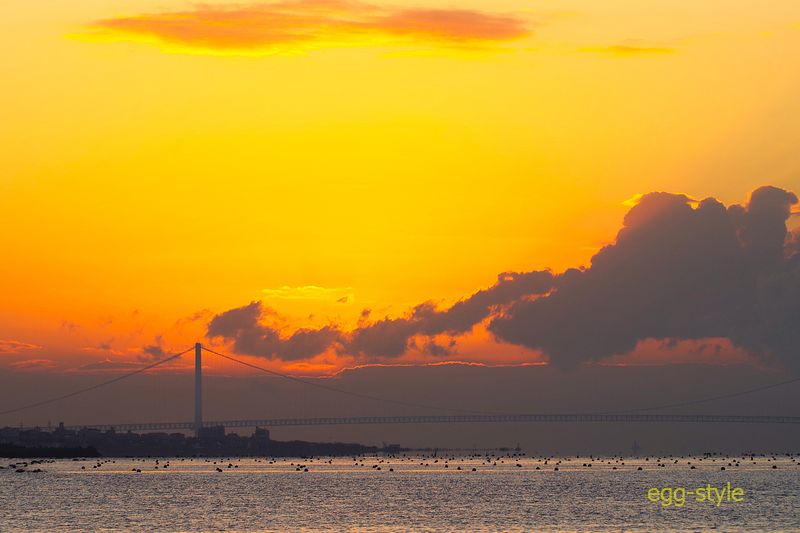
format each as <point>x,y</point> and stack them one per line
<point>212,441</point>
<point>48,452</point>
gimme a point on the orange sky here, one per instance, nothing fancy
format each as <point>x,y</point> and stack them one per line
<point>161,163</point>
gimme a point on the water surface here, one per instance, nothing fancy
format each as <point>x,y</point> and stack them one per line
<point>407,493</point>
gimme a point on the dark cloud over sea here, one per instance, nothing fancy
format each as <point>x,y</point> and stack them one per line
<point>678,269</point>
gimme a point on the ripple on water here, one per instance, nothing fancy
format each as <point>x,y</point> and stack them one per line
<point>341,494</point>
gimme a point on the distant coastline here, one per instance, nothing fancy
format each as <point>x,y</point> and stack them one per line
<point>48,452</point>
<point>211,442</point>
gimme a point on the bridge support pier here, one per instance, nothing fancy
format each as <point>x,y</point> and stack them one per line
<point>198,388</point>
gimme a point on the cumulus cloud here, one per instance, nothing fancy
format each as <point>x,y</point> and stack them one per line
<point>390,337</point>
<point>292,25</point>
<point>244,327</point>
<point>674,272</point>
<point>679,270</point>
<point>383,338</point>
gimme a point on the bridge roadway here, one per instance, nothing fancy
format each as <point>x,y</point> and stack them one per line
<point>450,419</point>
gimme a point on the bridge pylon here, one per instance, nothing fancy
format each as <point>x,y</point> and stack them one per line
<point>198,388</point>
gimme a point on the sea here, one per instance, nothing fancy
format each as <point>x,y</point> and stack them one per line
<point>475,493</point>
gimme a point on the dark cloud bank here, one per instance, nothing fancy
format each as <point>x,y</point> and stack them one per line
<point>678,269</point>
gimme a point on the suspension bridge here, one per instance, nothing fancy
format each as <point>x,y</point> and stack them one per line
<point>464,416</point>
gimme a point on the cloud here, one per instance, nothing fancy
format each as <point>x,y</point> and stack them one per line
<point>9,347</point>
<point>243,326</point>
<point>34,364</point>
<point>792,248</point>
<point>707,351</point>
<point>153,352</point>
<point>387,337</point>
<point>290,26</point>
<point>628,50</point>
<point>199,315</point>
<point>678,272</point>
<point>104,348</point>
<point>69,325</point>
<point>390,337</point>
<point>310,292</point>
<point>384,338</point>
<point>109,364</point>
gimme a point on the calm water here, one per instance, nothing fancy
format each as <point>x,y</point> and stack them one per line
<point>191,495</point>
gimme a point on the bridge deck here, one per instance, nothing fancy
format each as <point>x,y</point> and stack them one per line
<point>452,419</point>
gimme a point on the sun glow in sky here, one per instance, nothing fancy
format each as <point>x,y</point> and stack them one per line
<point>162,162</point>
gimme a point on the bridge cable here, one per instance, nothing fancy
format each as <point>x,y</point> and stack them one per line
<point>408,404</point>
<point>96,386</point>
<point>351,393</point>
<point>702,400</point>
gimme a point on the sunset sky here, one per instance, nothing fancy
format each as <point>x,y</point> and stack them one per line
<point>165,163</point>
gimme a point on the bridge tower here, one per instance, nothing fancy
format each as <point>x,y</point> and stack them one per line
<point>198,388</point>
